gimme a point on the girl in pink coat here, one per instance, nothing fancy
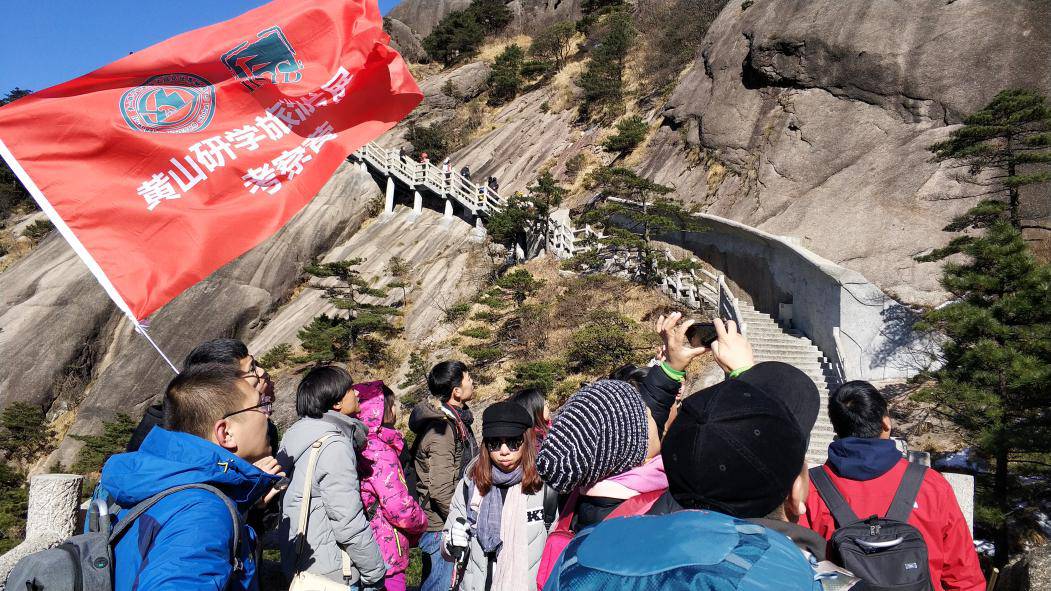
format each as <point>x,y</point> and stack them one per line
<point>397,519</point>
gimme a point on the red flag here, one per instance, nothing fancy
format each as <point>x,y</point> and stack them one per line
<point>165,165</point>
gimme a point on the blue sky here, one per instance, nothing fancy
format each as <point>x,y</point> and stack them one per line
<point>46,42</point>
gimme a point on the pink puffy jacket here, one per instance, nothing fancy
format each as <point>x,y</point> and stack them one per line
<point>399,520</point>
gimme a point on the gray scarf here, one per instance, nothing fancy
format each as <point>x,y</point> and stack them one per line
<point>354,429</point>
<point>492,508</point>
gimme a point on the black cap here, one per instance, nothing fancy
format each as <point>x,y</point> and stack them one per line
<point>791,386</point>
<point>505,419</point>
<point>734,449</point>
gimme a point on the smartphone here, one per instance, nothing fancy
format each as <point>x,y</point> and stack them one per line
<point>701,334</point>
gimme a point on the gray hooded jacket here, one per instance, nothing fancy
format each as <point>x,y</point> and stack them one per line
<point>337,517</point>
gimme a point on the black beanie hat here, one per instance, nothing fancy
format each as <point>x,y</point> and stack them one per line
<point>505,419</point>
<point>734,449</point>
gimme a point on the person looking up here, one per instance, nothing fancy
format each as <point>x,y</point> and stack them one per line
<point>443,448</point>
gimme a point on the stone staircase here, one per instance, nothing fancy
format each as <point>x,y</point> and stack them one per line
<point>770,342</point>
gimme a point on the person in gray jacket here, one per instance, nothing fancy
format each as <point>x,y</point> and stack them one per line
<point>325,401</point>
<point>497,527</point>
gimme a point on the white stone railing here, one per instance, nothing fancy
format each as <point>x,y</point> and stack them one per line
<point>54,505</point>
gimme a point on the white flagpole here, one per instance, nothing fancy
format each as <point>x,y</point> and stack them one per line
<point>78,247</point>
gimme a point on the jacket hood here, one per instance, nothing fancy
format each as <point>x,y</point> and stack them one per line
<point>167,459</point>
<point>370,396</point>
<point>862,459</point>
<point>423,414</point>
<point>428,411</point>
<point>304,432</point>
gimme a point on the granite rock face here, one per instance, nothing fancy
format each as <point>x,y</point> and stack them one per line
<point>405,40</point>
<point>813,119</point>
<point>443,94</point>
<point>57,319</point>
<point>424,15</point>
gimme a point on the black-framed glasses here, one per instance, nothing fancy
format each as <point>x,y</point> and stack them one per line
<point>265,406</point>
<point>494,443</point>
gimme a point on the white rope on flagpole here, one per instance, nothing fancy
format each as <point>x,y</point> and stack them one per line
<point>78,247</point>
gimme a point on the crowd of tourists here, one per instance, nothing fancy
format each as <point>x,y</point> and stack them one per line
<point>633,483</point>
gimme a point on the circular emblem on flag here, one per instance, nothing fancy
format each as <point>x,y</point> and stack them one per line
<point>169,103</point>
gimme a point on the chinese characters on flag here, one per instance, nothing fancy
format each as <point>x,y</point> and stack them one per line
<point>165,165</point>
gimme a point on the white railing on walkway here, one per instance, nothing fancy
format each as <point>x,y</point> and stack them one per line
<point>563,240</point>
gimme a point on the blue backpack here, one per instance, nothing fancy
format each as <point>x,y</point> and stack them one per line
<point>682,550</point>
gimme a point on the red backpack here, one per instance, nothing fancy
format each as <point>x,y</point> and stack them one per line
<point>562,535</point>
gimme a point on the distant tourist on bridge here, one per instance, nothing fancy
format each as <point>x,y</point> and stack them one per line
<point>465,172</point>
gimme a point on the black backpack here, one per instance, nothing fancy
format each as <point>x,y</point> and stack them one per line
<point>85,562</point>
<point>408,467</point>
<point>885,552</point>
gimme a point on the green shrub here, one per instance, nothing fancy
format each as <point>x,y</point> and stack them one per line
<point>630,133</point>
<point>98,448</point>
<point>415,382</point>
<point>489,316</point>
<point>38,230</point>
<point>545,107</point>
<point>14,498</point>
<point>24,433</point>
<point>520,283</point>
<point>483,353</point>
<point>564,390</point>
<point>477,332</point>
<point>602,344</point>
<point>542,375</point>
<point>505,79</point>
<point>279,355</point>
<point>575,165</point>
<point>603,78</point>
<point>436,140</point>
<point>457,312</point>
<point>493,302</point>
<point>552,45</point>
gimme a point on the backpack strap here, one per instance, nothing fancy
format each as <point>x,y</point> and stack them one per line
<point>550,507</point>
<point>640,504</point>
<point>834,500</point>
<point>304,507</point>
<point>135,512</point>
<point>905,497</point>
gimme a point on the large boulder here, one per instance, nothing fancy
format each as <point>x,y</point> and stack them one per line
<point>424,15</point>
<point>405,40</point>
<point>813,119</point>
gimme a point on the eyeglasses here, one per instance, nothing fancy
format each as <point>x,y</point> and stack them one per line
<point>265,406</point>
<point>512,443</point>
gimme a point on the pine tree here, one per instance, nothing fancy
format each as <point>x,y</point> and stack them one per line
<point>1011,136</point>
<point>521,284</point>
<point>12,194</point>
<point>24,433</point>
<point>505,79</point>
<point>632,212</point>
<point>331,338</point>
<point>603,79</point>
<point>527,214</point>
<point>993,377</point>
<point>553,43</point>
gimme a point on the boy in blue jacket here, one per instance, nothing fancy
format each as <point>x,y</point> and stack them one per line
<point>215,428</point>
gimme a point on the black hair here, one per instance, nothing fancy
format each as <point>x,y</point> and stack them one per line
<point>444,377</point>
<point>856,409</point>
<point>533,400</point>
<point>389,400</point>
<point>631,374</point>
<point>226,351</point>
<point>201,395</point>
<point>321,389</point>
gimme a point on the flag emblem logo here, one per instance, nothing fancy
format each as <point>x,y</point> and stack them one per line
<point>270,58</point>
<point>169,103</point>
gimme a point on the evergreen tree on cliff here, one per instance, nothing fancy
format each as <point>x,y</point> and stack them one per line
<point>994,380</point>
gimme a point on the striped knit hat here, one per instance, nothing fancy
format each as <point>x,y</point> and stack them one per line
<point>600,432</point>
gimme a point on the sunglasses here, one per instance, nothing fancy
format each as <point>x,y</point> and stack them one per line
<point>512,443</point>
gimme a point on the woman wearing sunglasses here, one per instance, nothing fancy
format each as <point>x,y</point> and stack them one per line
<point>501,511</point>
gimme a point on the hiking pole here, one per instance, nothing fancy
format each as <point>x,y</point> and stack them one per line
<point>460,554</point>
<point>994,577</point>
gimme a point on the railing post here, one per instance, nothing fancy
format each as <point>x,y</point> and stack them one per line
<point>448,208</point>
<point>417,202</point>
<point>388,199</point>
<point>54,504</point>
